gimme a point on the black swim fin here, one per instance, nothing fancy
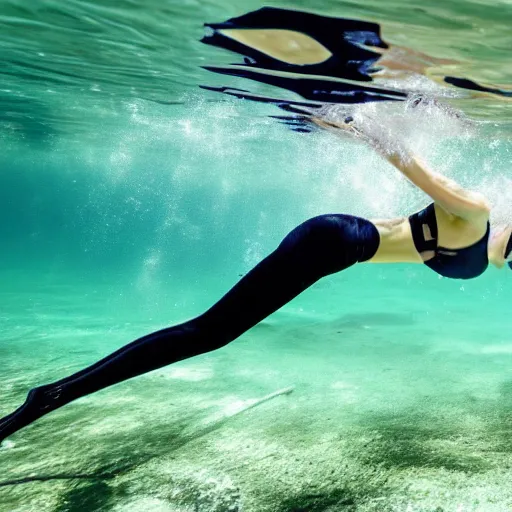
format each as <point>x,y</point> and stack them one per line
<point>336,47</point>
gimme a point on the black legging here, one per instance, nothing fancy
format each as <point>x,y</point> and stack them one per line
<point>318,247</point>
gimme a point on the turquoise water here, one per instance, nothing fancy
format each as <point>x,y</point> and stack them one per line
<point>131,200</point>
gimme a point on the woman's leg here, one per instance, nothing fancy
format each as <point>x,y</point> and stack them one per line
<point>318,247</point>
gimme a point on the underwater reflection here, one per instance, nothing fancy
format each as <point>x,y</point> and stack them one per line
<point>326,60</point>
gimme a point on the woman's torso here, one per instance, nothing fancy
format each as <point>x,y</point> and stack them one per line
<point>397,243</point>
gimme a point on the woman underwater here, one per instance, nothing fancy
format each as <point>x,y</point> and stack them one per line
<point>452,236</point>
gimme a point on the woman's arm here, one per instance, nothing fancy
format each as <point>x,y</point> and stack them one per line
<point>444,191</point>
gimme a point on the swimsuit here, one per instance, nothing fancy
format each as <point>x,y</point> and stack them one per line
<point>465,263</point>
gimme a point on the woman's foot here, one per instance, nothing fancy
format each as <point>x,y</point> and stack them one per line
<point>40,401</point>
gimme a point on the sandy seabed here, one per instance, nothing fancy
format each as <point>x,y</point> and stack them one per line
<point>388,406</point>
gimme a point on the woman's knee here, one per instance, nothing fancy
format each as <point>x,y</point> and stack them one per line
<point>210,333</point>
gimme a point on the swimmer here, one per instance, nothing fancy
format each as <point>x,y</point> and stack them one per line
<point>452,236</point>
